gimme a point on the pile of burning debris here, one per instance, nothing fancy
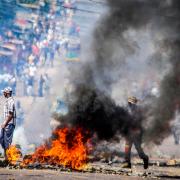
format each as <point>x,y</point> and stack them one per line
<point>68,150</point>
<point>158,169</point>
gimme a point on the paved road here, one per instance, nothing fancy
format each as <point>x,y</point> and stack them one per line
<point>7,174</point>
<point>100,171</point>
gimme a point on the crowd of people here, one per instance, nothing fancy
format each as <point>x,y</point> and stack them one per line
<point>36,37</point>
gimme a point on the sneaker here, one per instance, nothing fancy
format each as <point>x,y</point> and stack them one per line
<point>146,162</point>
<point>126,165</point>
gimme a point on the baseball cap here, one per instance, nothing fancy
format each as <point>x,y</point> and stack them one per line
<point>7,90</point>
<point>132,100</point>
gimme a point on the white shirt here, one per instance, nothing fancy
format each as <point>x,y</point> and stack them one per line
<point>9,106</point>
<point>32,70</point>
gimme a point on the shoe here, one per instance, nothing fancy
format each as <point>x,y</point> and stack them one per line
<point>146,162</point>
<point>5,163</point>
<point>126,165</point>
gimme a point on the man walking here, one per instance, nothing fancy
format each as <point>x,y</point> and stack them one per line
<point>8,125</point>
<point>135,134</point>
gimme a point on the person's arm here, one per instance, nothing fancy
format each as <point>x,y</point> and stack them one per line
<point>7,120</point>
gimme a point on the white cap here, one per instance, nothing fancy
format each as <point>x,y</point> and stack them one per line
<point>7,90</point>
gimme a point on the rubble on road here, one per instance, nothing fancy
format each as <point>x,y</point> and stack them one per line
<point>158,168</point>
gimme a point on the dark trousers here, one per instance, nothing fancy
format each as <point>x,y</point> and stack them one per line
<point>135,138</point>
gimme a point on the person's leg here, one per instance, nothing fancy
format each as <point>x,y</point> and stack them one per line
<point>128,146</point>
<point>5,155</point>
<point>8,135</point>
<point>176,137</point>
<point>137,142</point>
<point>2,141</point>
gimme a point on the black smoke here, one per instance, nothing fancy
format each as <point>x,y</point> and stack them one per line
<point>95,111</point>
<point>92,106</point>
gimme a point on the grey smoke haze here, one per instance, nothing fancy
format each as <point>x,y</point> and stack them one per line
<point>135,48</point>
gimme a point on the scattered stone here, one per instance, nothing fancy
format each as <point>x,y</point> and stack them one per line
<point>171,162</point>
<point>98,167</point>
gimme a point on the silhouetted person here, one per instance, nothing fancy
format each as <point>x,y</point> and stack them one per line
<point>134,135</point>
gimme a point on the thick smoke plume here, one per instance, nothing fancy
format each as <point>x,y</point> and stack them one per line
<point>136,45</point>
<point>95,111</point>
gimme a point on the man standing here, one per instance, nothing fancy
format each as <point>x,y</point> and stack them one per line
<point>9,123</point>
<point>134,135</point>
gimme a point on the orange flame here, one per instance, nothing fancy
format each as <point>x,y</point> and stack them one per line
<point>13,154</point>
<point>68,149</point>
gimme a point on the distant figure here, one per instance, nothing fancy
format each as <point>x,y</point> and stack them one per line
<point>46,84</point>
<point>59,107</point>
<point>176,127</point>
<point>9,123</point>
<point>40,87</point>
<point>30,84</point>
<point>135,134</point>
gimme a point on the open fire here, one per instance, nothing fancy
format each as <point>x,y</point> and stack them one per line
<point>13,154</point>
<point>68,147</point>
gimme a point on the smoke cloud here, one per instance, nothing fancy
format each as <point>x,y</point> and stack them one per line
<point>135,52</point>
<point>95,111</point>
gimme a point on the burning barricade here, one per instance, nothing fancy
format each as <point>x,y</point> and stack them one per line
<point>67,148</point>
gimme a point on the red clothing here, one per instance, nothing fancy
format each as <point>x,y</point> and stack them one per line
<point>35,50</point>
